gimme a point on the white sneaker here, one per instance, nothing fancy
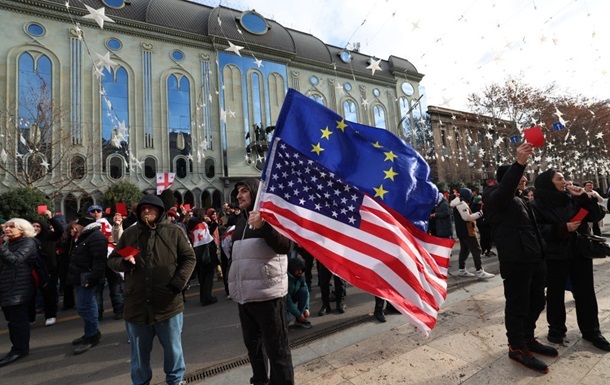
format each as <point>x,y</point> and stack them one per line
<point>464,273</point>
<point>50,321</point>
<point>482,274</point>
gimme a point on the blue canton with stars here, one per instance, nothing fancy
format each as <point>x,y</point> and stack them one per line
<point>303,182</point>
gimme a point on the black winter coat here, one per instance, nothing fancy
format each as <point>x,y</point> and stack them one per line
<point>561,244</point>
<point>16,282</point>
<point>88,256</point>
<point>512,221</point>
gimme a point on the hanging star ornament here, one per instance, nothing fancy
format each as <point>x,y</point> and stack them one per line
<point>234,48</point>
<point>374,66</point>
<point>99,15</point>
<point>105,61</point>
<point>45,164</point>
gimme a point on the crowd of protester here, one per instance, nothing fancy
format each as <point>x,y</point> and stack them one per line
<point>234,244</point>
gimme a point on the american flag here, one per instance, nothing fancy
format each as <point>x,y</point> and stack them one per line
<point>354,236</point>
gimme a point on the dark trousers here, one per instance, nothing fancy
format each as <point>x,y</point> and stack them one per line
<point>580,271</point>
<point>324,276</point>
<point>224,268</point>
<point>524,293</point>
<point>18,327</point>
<point>266,338</point>
<point>50,296</point>
<point>485,236</point>
<point>205,275</point>
<point>467,246</point>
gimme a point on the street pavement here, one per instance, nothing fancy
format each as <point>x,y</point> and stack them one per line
<point>468,345</point>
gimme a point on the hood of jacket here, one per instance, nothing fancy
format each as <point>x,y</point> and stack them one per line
<point>252,185</point>
<point>154,200</point>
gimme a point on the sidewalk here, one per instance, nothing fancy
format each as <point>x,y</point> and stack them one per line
<point>468,346</point>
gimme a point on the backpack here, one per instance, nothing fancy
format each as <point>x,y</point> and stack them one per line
<point>40,270</point>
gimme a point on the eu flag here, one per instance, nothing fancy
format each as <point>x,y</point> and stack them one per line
<point>374,160</point>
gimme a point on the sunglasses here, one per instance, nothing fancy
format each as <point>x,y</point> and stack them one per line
<point>95,211</point>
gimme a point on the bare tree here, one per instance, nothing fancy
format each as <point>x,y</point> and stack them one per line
<point>575,127</point>
<point>37,149</point>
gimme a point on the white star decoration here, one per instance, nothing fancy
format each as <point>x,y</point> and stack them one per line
<point>45,164</point>
<point>99,15</point>
<point>234,48</point>
<point>105,61</point>
<point>374,66</point>
<point>258,62</point>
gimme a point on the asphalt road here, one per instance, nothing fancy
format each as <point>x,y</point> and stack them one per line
<point>211,339</point>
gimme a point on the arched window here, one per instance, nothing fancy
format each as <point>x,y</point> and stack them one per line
<point>78,167</point>
<point>379,116</point>
<point>406,123</point>
<point>116,167</point>
<point>35,168</point>
<point>349,111</point>
<point>210,171</point>
<point>179,115</point>
<point>181,167</point>
<point>115,112</point>
<point>150,167</point>
<point>35,106</point>
<point>318,98</point>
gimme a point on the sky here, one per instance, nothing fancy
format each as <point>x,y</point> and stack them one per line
<point>463,46</point>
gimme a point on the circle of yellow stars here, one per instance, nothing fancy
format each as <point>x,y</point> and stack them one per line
<point>389,156</point>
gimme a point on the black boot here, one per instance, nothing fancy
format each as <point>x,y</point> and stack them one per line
<point>379,314</point>
<point>325,309</point>
<point>341,307</point>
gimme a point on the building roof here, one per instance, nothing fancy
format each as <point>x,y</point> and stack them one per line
<point>195,18</point>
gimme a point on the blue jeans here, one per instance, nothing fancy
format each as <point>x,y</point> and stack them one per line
<point>115,286</point>
<point>87,309</point>
<point>141,337</point>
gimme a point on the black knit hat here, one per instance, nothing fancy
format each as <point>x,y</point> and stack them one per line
<point>501,171</point>
<point>85,221</point>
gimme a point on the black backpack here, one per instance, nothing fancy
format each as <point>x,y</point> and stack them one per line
<point>40,270</point>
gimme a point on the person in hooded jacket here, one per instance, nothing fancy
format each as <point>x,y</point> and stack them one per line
<point>86,270</point>
<point>466,231</point>
<point>157,260</point>
<point>17,284</point>
<point>555,205</point>
<point>521,255</point>
<point>297,299</point>
<point>48,242</point>
<point>258,283</point>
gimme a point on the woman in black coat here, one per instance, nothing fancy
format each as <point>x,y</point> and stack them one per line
<point>555,205</point>
<point>17,284</point>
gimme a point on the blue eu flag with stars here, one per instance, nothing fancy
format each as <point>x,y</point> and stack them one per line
<point>374,160</point>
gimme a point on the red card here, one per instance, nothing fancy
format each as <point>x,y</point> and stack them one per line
<point>128,251</point>
<point>42,209</point>
<point>187,206</point>
<point>121,208</point>
<point>107,211</point>
<point>580,215</point>
<point>534,136</point>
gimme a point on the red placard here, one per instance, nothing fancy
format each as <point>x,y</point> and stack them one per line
<point>121,208</point>
<point>187,207</point>
<point>580,215</point>
<point>534,136</point>
<point>42,209</point>
<point>128,251</point>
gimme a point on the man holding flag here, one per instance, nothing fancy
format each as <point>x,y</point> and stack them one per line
<point>358,199</point>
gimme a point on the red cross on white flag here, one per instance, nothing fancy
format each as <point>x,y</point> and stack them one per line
<point>164,181</point>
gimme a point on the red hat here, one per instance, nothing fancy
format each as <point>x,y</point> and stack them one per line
<point>173,213</point>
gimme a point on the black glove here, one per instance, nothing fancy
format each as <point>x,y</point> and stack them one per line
<point>128,265</point>
<point>174,289</point>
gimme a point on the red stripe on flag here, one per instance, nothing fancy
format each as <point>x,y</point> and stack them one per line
<point>360,276</point>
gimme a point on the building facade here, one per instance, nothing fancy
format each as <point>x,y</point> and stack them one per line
<point>171,86</point>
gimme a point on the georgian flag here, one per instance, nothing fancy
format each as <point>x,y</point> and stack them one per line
<point>200,235</point>
<point>164,181</point>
